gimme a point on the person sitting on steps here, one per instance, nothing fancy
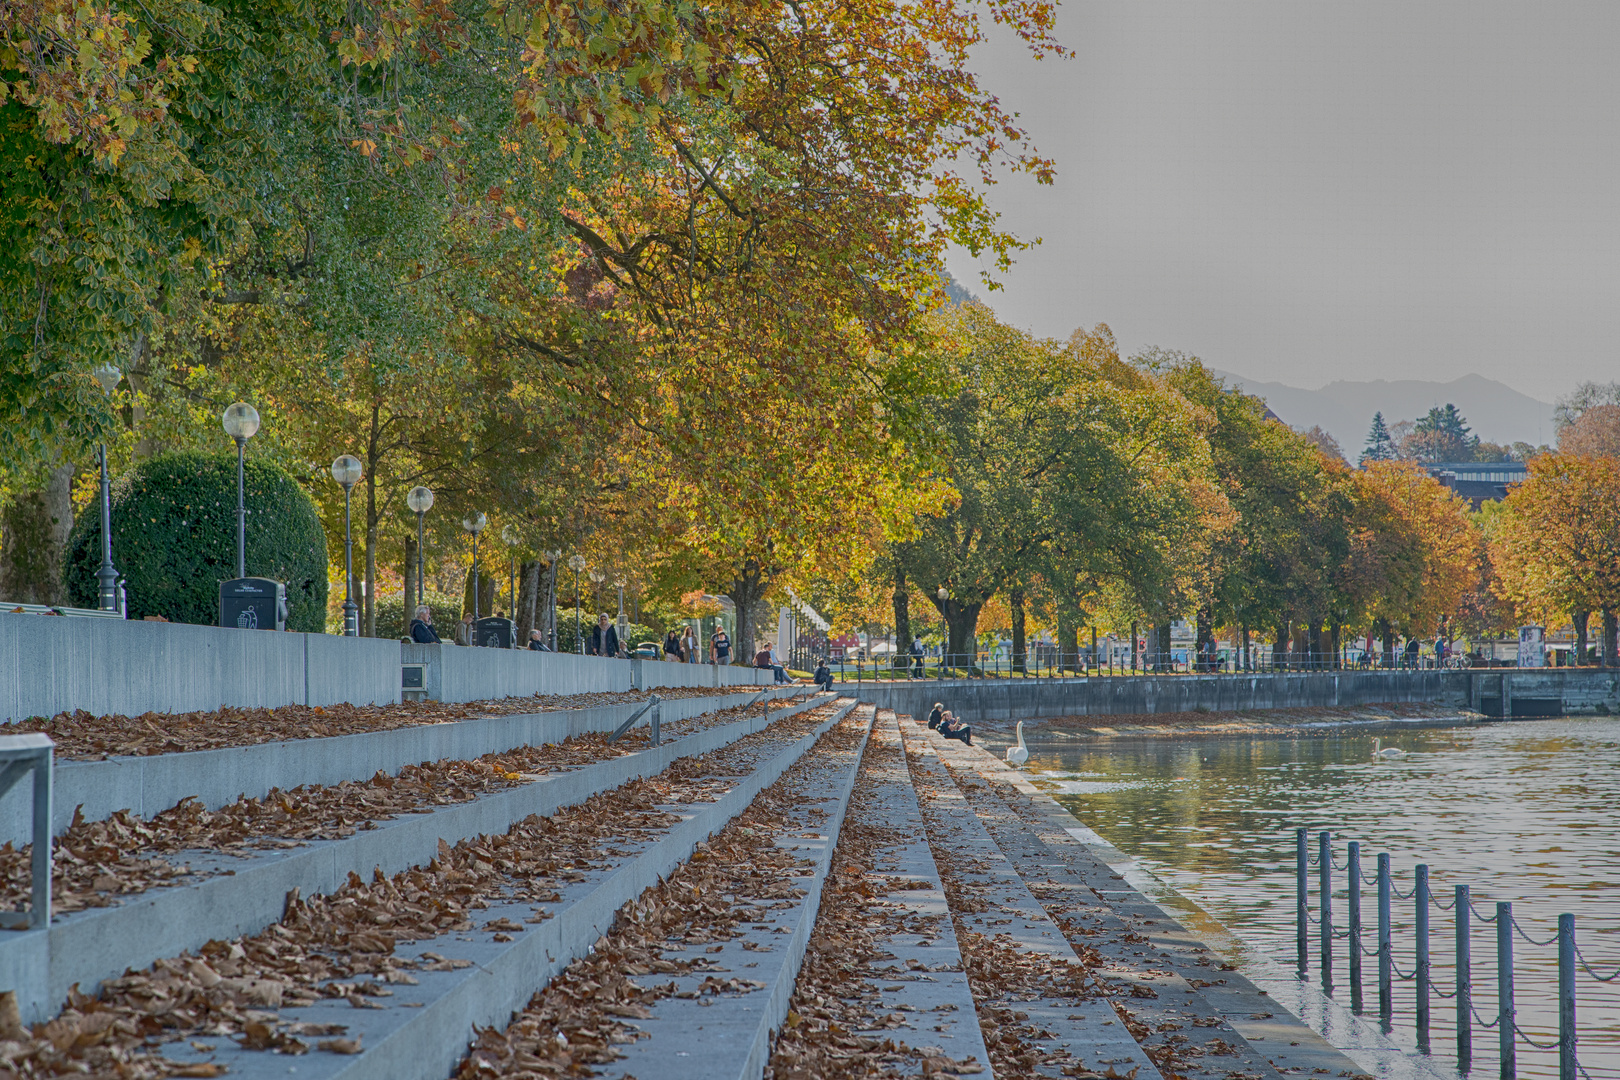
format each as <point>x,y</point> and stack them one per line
<point>952,728</point>
<point>935,716</point>
<point>823,675</point>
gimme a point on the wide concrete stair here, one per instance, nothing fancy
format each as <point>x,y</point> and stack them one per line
<point>232,895</point>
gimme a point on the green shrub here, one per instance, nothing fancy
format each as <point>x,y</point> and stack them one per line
<point>392,623</point>
<point>567,642</point>
<point>174,539</point>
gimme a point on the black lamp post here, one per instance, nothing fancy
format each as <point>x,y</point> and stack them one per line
<point>347,471</point>
<point>474,523</point>
<point>420,500</point>
<point>241,423</point>
<point>944,594</point>
<point>549,597</point>
<point>509,536</point>
<point>576,563</point>
<point>108,377</point>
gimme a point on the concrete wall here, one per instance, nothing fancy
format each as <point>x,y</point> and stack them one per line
<point>53,664</point>
<point>1530,693</point>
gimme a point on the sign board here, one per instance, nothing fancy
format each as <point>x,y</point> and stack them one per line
<point>1531,652</point>
<point>253,603</point>
<point>494,633</point>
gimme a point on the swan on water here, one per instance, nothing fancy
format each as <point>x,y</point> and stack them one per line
<point>1017,755</point>
<point>1386,751</point>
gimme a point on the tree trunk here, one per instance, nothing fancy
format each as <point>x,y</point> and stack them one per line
<point>1610,656</point>
<point>1580,619</point>
<point>902,620</point>
<point>1387,637</point>
<point>961,648</point>
<point>1245,639</point>
<point>1019,661</point>
<point>1279,647</point>
<point>528,601</point>
<point>36,527</point>
<point>1068,644</point>
<point>486,593</point>
<point>1134,650</point>
<point>745,590</point>
<point>1314,651</point>
<point>1093,650</point>
<point>410,582</point>
<point>1161,646</point>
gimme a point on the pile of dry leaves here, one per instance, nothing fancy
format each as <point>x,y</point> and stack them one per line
<point>80,735</point>
<point>97,861</point>
<point>343,945</point>
<point>583,1014</point>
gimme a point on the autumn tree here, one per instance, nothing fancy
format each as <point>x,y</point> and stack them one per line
<point>1556,543</point>
<point>1595,433</point>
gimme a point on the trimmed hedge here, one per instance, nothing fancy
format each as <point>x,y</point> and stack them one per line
<point>174,539</point>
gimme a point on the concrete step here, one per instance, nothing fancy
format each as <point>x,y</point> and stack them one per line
<point>423,1029</point>
<point>909,981</point>
<point>245,895</point>
<point>151,784</point>
<point>1195,1017</point>
<point>1052,1018</point>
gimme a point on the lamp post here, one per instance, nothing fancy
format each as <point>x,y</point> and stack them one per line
<point>510,537</point>
<point>624,628</point>
<point>346,470</point>
<point>420,500</point>
<point>107,375</point>
<point>241,422</point>
<point>551,597</point>
<point>944,594</point>
<point>576,563</point>
<point>474,523</point>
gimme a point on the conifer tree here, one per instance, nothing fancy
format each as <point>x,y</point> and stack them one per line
<point>1380,446</point>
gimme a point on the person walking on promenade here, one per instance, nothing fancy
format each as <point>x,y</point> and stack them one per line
<point>689,647</point>
<point>916,658</point>
<point>720,647</point>
<point>422,631</point>
<point>672,647</point>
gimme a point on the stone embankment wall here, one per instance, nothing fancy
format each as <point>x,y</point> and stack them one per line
<point>52,664</point>
<point>1551,692</point>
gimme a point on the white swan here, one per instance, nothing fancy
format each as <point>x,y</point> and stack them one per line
<point>1386,751</point>
<point>1017,755</point>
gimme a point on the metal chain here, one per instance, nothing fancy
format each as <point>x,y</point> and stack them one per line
<point>1589,971</point>
<point>1341,933</point>
<point>1369,952</point>
<point>1336,866</point>
<point>1519,1031</point>
<point>1402,895</point>
<point>1477,915</point>
<point>1480,1020</point>
<point>1404,977</point>
<point>1531,940</point>
<point>1438,904</point>
<point>1442,993</point>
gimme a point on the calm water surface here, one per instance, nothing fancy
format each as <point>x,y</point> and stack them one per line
<point>1527,811</point>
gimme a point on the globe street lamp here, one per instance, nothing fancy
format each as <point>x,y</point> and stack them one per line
<point>623,627</point>
<point>241,422</point>
<point>944,594</point>
<point>474,523</point>
<point>107,375</point>
<point>346,470</point>
<point>420,500</point>
<point>576,563</point>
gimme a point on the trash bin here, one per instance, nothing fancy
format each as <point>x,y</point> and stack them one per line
<point>494,633</point>
<point>253,603</point>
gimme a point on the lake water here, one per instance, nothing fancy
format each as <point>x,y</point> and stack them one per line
<point>1526,811</point>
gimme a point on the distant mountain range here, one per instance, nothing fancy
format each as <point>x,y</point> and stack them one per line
<point>1496,413</point>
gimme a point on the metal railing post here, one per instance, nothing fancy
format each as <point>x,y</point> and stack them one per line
<point>1420,895</point>
<point>1504,989</point>
<point>1386,955</point>
<point>1302,886</point>
<point>1353,885</point>
<point>1566,998</point>
<point>1324,857</point>
<point>1465,984</point>
<point>657,715</point>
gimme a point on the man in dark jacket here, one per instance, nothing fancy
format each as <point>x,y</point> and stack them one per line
<point>604,639</point>
<point>937,715</point>
<point>422,631</point>
<point>823,675</point>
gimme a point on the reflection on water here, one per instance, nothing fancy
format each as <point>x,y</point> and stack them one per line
<point>1527,811</point>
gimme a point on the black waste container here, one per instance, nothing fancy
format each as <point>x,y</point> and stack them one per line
<point>253,603</point>
<point>494,633</point>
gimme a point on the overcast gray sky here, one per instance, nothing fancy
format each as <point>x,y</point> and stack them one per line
<point>1302,191</point>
